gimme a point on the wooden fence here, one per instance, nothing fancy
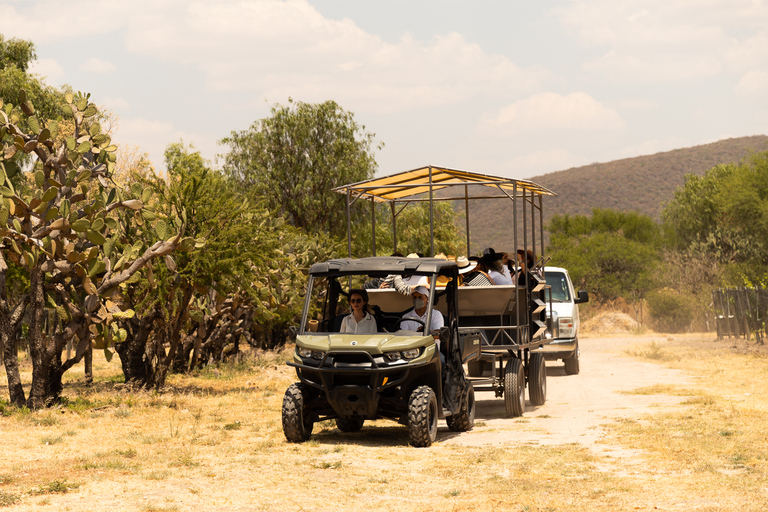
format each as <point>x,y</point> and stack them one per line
<point>740,312</point>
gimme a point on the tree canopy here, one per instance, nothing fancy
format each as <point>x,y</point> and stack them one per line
<point>613,254</point>
<point>725,214</point>
<point>296,156</point>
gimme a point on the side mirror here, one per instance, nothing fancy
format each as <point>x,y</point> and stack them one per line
<point>582,298</point>
<point>294,332</point>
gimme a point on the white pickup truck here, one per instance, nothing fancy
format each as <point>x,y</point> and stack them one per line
<point>563,319</point>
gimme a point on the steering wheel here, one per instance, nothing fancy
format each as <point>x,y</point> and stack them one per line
<point>401,320</point>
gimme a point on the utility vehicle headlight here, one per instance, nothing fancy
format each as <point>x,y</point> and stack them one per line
<point>411,354</point>
<point>310,354</point>
<point>393,356</point>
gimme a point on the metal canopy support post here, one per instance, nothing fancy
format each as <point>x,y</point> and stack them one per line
<point>373,225</point>
<point>541,223</point>
<point>514,220</point>
<point>533,226</point>
<point>349,225</point>
<point>466,214</point>
<point>394,227</point>
<point>431,218</point>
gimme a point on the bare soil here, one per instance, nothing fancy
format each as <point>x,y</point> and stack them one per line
<point>578,405</point>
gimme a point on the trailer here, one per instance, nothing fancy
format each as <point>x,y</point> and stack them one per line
<point>510,319</point>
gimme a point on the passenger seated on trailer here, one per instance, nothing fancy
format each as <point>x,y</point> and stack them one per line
<point>525,262</point>
<point>497,269</point>
<point>361,319</point>
<point>420,297</point>
<point>396,281</point>
<point>389,281</point>
<point>477,275</point>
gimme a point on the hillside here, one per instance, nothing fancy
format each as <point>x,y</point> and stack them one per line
<point>642,184</point>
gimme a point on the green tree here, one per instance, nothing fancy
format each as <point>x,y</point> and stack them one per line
<point>612,254</point>
<point>725,214</point>
<point>16,55</point>
<point>295,158</point>
<point>413,231</point>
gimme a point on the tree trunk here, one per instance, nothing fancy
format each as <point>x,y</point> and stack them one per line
<point>172,335</point>
<point>11,362</point>
<point>9,328</point>
<point>37,343</point>
<point>133,351</point>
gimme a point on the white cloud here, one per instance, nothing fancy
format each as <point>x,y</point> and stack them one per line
<point>668,40</point>
<point>753,83</point>
<point>98,66</point>
<point>45,21</point>
<point>50,70</point>
<point>550,111</point>
<point>267,49</point>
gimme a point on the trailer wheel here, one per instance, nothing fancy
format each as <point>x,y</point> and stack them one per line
<point>350,424</point>
<point>422,416</point>
<point>572,363</point>
<point>537,379</point>
<point>296,427</point>
<point>465,419</point>
<point>514,387</point>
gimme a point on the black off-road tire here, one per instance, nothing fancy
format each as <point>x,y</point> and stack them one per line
<point>350,424</point>
<point>514,387</point>
<point>422,416</point>
<point>537,379</point>
<point>572,363</point>
<point>296,427</point>
<point>464,420</point>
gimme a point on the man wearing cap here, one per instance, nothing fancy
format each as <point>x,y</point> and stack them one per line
<point>420,297</point>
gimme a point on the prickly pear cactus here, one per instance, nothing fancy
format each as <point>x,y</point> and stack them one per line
<point>61,216</point>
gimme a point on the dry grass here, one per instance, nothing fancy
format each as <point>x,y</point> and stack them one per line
<point>213,441</point>
<point>715,446</point>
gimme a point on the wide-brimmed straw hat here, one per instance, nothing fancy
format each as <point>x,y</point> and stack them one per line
<point>464,264</point>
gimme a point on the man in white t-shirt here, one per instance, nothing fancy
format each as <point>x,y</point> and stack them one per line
<point>420,297</point>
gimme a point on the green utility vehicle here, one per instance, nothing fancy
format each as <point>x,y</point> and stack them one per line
<point>489,340</point>
<point>395,373</point>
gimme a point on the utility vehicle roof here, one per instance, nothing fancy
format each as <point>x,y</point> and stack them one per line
<point>405,185</point>
<point>384,265</point>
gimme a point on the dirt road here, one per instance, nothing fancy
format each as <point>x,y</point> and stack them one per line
<point>577,405</point>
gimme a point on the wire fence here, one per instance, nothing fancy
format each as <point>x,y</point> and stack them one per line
<point>740,312</point>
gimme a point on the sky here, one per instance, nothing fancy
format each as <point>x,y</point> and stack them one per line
<point>502,87</point>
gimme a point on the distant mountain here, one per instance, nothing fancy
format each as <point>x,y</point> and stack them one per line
<point>641,184</point>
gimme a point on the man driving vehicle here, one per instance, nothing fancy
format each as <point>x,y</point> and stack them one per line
<point>420,297</point>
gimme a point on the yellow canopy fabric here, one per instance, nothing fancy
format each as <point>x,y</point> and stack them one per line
<point>406,185</point>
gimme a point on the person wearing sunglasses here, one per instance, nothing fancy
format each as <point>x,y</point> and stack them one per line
<point>360,321</point>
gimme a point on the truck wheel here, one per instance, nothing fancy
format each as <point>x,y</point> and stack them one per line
<point>422,416</point>
<point>350,424</point>
<point>537,379</point>
<point>514,387</point>
<point>295,425</point>
<point>465,419</point>
<point>572,363</point>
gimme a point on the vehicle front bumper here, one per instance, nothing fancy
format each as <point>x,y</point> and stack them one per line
<point>559,349</point>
